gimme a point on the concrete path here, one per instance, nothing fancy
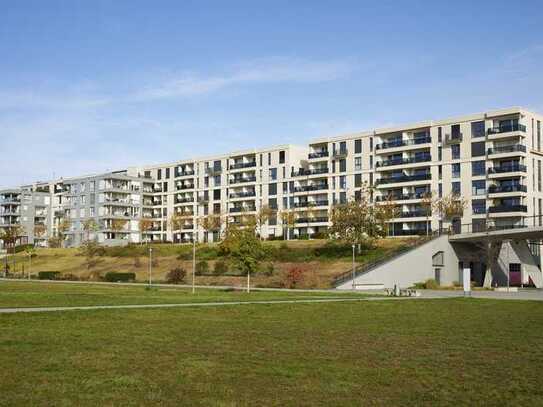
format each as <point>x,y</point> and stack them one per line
<point>526,294</point>
<point>193,304</point>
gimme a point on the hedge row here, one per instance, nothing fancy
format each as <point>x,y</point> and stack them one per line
<point>113,277</point>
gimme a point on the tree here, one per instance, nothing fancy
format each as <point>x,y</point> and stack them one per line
<point>176,221</point>
<point>243,249</point>
<point>427,203</point>
<point>90,226</point>
<point>176,276</point>
<point>40,230</point>
<point>91,249</point>
<point>63,228</point>
<point>450,206</point>
<point>144,226</point>
<point>288,217</point>
<point>359,222</point>
<point>263,216</point>
<point>210,223</point>
<point>293,277</point>
<point>9,237</point>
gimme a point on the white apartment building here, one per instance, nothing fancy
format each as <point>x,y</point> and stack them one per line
<point>492,159</point>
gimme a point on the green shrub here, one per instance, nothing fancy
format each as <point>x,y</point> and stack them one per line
<point>48,275</point>
<point>176,276</point>
<point>202,267</point>
<point>267,269</point>
<point>23,247</point>
<point>220,268</point>
<point>113,277</point>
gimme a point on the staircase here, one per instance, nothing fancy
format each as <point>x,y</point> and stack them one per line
<point>368,267</point>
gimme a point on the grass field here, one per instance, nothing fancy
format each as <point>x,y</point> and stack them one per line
<point>409,352</point>
<point>321,260</point>
<point>43,294</point>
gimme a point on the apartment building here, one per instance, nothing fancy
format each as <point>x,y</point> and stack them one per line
<point>491,159</point>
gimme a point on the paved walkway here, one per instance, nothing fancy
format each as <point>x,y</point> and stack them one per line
<point>192,304</point>
<point>526,294</point>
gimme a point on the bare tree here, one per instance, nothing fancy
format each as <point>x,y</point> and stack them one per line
<point>288,218</point>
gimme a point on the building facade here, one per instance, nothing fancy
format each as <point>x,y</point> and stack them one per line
<point>492,160</point>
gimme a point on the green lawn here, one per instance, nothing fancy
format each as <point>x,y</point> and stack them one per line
<point>34,294</point>
<point>408,352</point>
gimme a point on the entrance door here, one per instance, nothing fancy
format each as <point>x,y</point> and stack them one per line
<point>437,275</point>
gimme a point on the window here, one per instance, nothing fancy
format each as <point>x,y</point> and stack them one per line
<point>371,161</point>
<point>343,197</point>
<point>273,174</point>
<point>538,135</point>
<point>478,206</point>
<point>343,182</point>
<point>357,180</point>
<point>478,149</point>
<point>455,151</point>
<point>159,174</point>
<point>272,189</point>
<point>439,134</point>
<point>478,168</point>
<point>371,143</point>
<point>167,173</point>
<point>358,146</point>
<point>358,163</point>
<point>456,170</point>
<point>285,187</point>
<point>478,187</point>
<point>455,131</point>
<point>440,153</point>
<point>478,129</point>
<point>281,157</point>
<point>217,180</point>
<point>440,190</point>
<point>342,165</point>
<point>269,158</point>
<point>272,203</point>
<point>455,188</point>
<point>216,194</point>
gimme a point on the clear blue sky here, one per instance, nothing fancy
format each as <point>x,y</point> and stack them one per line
<point>87,86</point>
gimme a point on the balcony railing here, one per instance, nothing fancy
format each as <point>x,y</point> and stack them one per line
<point>401,161</point>
<point>400,197</point>
<point>404,178</point>
<point>412,214</point>
<point>507,168</point>
<point>312,220</point>
<point>497,189</point>
<point>242,180</point>
<point>303,172</point>
<point>507,149</point>
<point>237,166</point>
<point>343,152</point>
<point>213,170</point>
<point>411,232</point>
<point>318,154</point>
<point>403,143</point>
<point>243,194</point>
<point>307,204</point>
<point>238,209</point>
<point>184,200</point>
<point>185,186</point>
<point>306,188</point>
<point>507,128</point>
<point>507,208</point>
<point>185,173</point>
<point>454,138</point>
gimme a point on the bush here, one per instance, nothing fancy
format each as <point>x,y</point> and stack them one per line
<point>54,242</point>
<point>176,276</point>
<point>202,267</point>
<point>267,269</point>
<point>113,277</point>
<point>48,275</point>
<point>431,284</point>
<point>220,268</point>
<point>293,277</point>
<point>23,247</point>
<point>137,261</point>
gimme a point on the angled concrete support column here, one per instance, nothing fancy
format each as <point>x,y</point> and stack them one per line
<point>495,274</point>
<point>529,267</point>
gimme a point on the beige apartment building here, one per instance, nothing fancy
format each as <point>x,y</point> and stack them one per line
<point>492,159</point>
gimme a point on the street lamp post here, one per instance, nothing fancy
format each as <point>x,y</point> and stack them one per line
<point>353,268</point>
<point>150,266</point>
<point>194,263</point>
<point>29,264</point>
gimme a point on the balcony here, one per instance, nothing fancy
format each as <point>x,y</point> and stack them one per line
<point>318,154</point>
<point>507,168</point>
<point>237,166</point>
<point>507,208</point>
<point>400,197</point>
<point>184,200</point>
<point>306,204</point>
<point>403,143</point>
<point>239,209</point>
<point>312,220</point>
<point>507,129</point>
<point>498,189</point>
<point>412,214</point>
<point>242,180</point>
<point>243,194</point>
<point>203,199</point>
<point>307,188</point>
<point>213,170</point>
<point>402,161</point>
<point>454,138</point>
<point>507,149</point>
<point>411,232</point>
<point>341,153</point>
<point>315,171</point>
<point>185,186</point>
<point>404,178</point>
<point>186,173</point>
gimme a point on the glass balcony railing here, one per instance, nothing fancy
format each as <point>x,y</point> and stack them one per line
<point>507,149</point>
<point>401,161</point>
<point>404,178</point>
<point>497,189</point>
<point>403,143</point>
<point>412,214</point>
<point>399,197</point>
<point>312,220</point>
<point>507,128</point>
<point>242,180</point>
<point>306,188</point>
<point>507,168</point>
<point>303,172</point>
<point>318,154</point>
<point>507,208</point>
<point>310,204</point>
<point>237,166</point>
